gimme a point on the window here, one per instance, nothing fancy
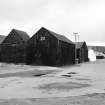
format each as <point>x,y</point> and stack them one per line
<point>42,38</point>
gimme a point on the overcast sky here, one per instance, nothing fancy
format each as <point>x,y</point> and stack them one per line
<point>87,17</point>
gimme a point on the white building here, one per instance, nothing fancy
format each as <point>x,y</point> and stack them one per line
<point>91,55</point>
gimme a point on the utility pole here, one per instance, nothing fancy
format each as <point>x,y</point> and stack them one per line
<point>75,35</point>
<point>78,38</point>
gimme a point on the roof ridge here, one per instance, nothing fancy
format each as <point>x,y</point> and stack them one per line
<point>19,30</point>
<point>59,36</point>
<point>22,34</point>
<point>79,44</point>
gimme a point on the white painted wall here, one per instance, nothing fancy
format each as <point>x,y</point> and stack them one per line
<point>91,55</point>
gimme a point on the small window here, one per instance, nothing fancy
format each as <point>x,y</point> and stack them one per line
<point>14,44</point>
<point>42,38</point>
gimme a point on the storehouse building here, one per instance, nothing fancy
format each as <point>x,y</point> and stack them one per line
<point>81,52</point>
<point>49,48</point>
<point>13,47</point>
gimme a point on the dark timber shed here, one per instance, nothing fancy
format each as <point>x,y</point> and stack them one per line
<point>49,48</point>
<point>13,47</point>
<point>81,52</point>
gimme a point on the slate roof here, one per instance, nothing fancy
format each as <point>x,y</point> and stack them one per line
<point>22,34</point>
<point>59,37</point>
<point>79,44</point>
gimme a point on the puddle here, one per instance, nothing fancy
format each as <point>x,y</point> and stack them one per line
<point>63,86</point>
<point>66,75</point>
<point>72,73</point>
<point>38,75</point>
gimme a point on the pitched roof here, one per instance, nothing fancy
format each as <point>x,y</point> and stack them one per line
<point>59,37</point>
<point>22,34</point>
<point>2,37</point>
<point>79,44</point>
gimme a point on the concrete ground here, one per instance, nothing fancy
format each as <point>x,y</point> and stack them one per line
<point>82,84</point>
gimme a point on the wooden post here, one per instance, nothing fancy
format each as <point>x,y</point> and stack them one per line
<point>75,35</point>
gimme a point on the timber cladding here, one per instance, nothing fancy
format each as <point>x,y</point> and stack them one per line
<point>81,52</point>
<point>13,47</point>
<point>13,53</point>
<point>48,48</point>
<point>43,48</point>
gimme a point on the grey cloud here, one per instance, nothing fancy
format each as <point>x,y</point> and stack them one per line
<point>63,16</point>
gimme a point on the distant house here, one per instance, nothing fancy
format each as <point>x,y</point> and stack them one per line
<point>2,37</point>
<point>13,47</point>
<point>49,48</point>
<point>81,52</point>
